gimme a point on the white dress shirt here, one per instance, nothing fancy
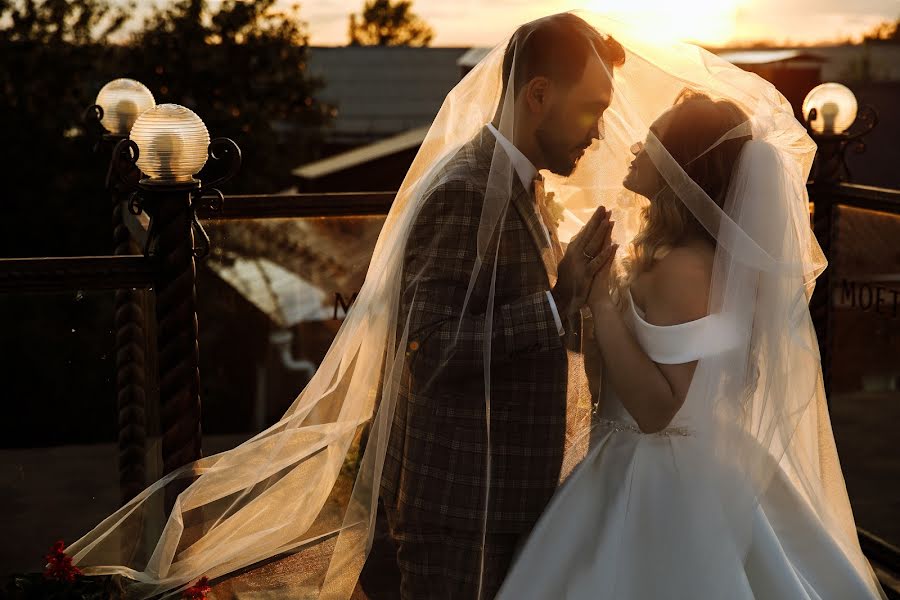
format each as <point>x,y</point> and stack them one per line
<point>527,173</point>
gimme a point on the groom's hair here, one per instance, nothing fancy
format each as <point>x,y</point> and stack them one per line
<point>557,47</point>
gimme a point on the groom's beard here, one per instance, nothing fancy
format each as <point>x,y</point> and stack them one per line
<point>561,157</point>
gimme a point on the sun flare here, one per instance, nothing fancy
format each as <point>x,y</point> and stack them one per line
<point>711,22</point>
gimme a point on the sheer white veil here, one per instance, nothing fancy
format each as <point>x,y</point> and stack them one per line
<point>290,513</point>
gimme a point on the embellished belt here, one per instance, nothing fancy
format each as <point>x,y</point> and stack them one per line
<point>667,432</point>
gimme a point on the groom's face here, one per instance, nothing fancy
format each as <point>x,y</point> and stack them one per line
<point>574,119</point>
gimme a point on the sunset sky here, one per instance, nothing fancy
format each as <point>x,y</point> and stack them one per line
<point>713,22</point>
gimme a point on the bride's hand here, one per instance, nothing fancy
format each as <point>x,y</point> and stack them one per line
<point>598,295</point>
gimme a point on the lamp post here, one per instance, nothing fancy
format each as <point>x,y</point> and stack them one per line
<point>117,107</point>
<point>170,144</point>
<point>836,123</point>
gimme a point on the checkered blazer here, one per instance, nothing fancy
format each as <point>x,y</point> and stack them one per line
<point>434,474</point>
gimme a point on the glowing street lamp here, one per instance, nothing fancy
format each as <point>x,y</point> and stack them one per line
<point>122,102</point>
<point>830,112</point>
<point>118,105</point>
<point>172,142</point>
<point>169,145</point>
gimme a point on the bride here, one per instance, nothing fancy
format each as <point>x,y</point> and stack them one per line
<point>709,468</point>
<point>677,497</point>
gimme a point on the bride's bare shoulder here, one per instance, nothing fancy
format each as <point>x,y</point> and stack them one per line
<point>678,284</point>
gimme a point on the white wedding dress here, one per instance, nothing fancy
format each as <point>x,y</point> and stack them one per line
<point>642,517</point>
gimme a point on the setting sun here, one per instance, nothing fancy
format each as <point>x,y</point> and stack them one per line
<point>704,21</point>
<point>708,22</point>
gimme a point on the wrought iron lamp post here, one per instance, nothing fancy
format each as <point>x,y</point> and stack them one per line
<point>836,123</point>
<point>170,144</point>
<point>118,105</point>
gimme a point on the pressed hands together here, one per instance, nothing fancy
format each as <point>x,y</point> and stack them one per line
<point>584,271</point>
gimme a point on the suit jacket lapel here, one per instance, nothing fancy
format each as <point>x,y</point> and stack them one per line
<point>523,200</point>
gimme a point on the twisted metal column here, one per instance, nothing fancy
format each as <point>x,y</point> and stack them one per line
<point>131,372</point>
<point>131,366</point>
<point>170,244</point>
<point>177,342</point>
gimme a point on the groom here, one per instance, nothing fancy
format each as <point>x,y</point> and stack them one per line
<point>556,85</point>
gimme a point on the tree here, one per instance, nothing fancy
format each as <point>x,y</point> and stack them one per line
<point>56,55</point>
<point>243,70</point>
<point>386,23</point>
<point>241,66</point>
<point>886,32</point>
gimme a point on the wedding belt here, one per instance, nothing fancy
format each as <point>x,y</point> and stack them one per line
<point>618,426</point>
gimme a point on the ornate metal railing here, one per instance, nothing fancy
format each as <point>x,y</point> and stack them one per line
<point>128,270</point>
<point>167,274</point>
<point>827,199</point>
<point>885,559</point>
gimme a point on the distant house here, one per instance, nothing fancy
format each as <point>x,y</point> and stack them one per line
<point>387,97</point>
<point>280,294</point>
<point>472,57</point>
<point>793,72</point>
<point>275,294</point>
<point>380,92</point>
<point>376,167</point>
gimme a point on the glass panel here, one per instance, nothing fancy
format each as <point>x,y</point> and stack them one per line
<point>272,295</point>
<point>59,454</point>
<point>865,367</point>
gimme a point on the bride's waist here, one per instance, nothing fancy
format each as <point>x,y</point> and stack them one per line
<point>628,426</point>
<point>613,416</point>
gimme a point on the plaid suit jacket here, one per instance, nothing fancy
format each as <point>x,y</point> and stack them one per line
<point>435,466</point>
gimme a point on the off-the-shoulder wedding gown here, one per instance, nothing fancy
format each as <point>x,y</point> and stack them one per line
<point>643,516</point>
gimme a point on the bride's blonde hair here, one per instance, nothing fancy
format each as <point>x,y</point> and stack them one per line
<point>696,124</point>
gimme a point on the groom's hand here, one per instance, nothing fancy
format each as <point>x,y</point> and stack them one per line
<point>583,259</point>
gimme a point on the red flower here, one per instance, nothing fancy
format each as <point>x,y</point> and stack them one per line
<point>59,565</point>
<point>198,591</point>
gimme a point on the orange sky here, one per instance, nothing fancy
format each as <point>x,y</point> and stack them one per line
<point>714,22</point>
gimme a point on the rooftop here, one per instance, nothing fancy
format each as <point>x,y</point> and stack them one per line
<point>381,91</point>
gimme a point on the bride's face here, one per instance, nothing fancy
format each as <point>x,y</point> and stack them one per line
<point>643,178</point>
<point>574,118</point>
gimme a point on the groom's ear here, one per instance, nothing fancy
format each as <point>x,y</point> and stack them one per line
<point>537,94</point>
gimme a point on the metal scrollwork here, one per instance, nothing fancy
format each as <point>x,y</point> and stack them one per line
<point>92,119</point>
<point>866,120</point>
<point>123,174</point>
<point>211,200</point>
<point>831,159</point>
<point>224,162</point>
<point>135,204</point>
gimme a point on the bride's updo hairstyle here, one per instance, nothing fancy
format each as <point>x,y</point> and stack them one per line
<point>694,124</point>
